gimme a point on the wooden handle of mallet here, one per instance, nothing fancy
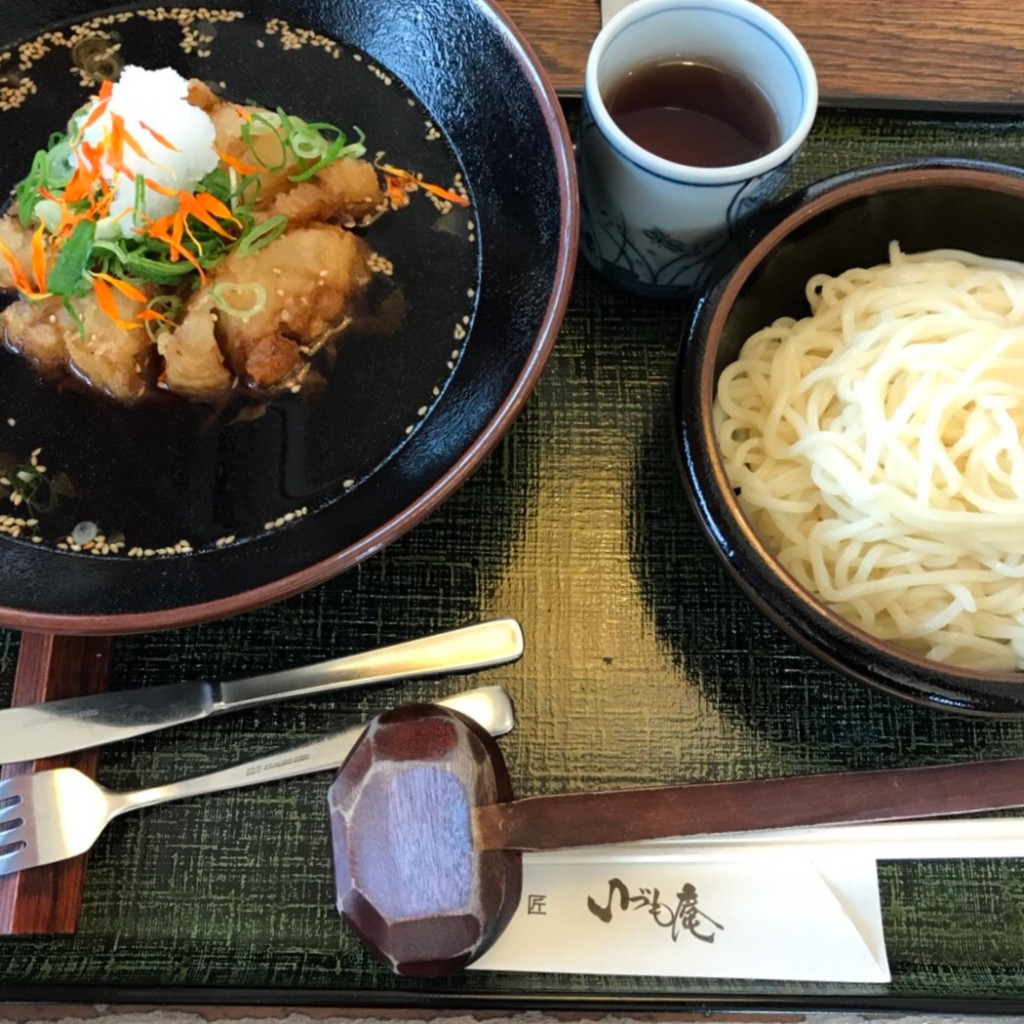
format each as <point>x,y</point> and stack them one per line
<point>427,835</point>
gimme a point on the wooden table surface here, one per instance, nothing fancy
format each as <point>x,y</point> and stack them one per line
<point>894,53</point>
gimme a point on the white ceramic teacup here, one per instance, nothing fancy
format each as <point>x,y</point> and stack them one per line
<point>650,225</point>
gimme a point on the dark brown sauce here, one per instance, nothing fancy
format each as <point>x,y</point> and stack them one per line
<point>694,113</point>
<point>169,467</point>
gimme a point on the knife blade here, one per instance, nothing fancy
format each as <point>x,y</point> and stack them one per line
<point>59,727</point>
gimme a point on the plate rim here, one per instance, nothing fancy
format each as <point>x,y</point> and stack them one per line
<point>194,613</point>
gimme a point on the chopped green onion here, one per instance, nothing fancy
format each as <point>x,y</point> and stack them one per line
<point>218,183</point>
<point>307,143</point>
<point>250,183</point>
<point>285,121</point>
<point>269,119</point>
<point>27,190</point>
<point>69,268</point>
<point>219,295</point>
<point>48,212</point>
<point>258,119</point>
<point>108,227</point>
<point>103,248</point>
<point>139,200</point>
<point>59,165</point>
<point>115,258</point>
<point>74,314</point>
<point>125,248</point>
<point>169,306</point>
<point>263,234</point>
<point>157,270</point>
<point>337,151</point>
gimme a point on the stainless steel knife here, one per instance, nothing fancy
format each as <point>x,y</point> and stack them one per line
<point>61,726</point>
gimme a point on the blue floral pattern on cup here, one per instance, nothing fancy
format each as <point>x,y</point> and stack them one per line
<point>645,259</point>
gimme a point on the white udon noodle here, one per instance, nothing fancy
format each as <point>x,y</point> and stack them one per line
<point>876,449</point>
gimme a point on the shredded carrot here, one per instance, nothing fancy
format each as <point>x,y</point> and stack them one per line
<point>98,169</point>
<point>445,193</point>
<point>39,258</point>
<point>154,186</point>
<point>166,143</point>
<point>399,182</point>
<point>129,291</point>
<point>397,192</point>
<point>100,205</point>
<point>171,230</point>
<point>206,207</point>
<point>21,281</point>
<point>165,229</point>
<point>192,235</point>
<point>89,195</point>
<point>118,138</point>
<point>107,302</point>
<point>237,165</point>
<point>84,179</point>
<point>94,115</point>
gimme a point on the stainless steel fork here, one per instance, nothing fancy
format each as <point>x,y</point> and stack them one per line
<point>53,815</point>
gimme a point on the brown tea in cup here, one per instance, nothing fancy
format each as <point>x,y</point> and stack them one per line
<point>694,113</point>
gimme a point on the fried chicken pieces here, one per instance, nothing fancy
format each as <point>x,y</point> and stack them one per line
<point>308,277</point>
<point>257,319</point>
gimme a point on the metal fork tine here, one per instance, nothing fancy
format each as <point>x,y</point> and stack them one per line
<point>12,822</point>
<point>9,808</point>
<point>8,825</point>
<point>15,860</point>
<point>58,813</point>
<point>13,794</point>
<point>14,787</point>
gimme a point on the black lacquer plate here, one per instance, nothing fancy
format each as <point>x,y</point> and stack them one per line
<point>271,499</point>
<point>840,222</point>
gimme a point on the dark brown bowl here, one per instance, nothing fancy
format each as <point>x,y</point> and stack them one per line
<point>838,223</point>
<point>274,504</point>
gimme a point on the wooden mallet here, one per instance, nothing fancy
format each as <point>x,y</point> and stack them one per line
<point>427,835</point>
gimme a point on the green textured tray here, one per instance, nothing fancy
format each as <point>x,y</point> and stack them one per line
<point>644,664</point>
